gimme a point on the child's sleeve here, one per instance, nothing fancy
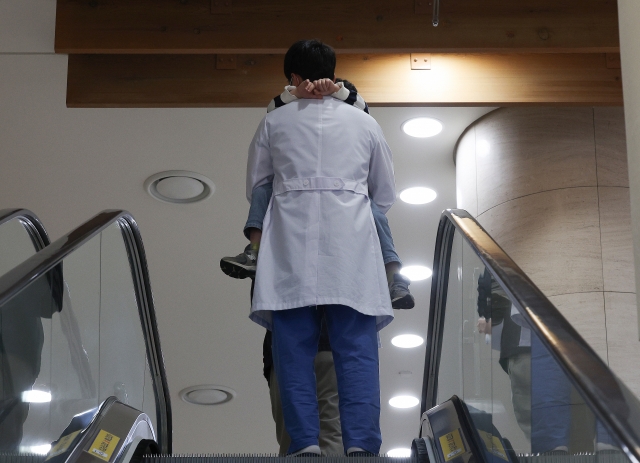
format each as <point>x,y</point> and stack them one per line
<point>259,163</point>
<point>381,181</point>
<point>284,98</point>
<point>350,97</point>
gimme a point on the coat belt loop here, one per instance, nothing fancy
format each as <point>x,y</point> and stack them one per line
<point>318,183</point>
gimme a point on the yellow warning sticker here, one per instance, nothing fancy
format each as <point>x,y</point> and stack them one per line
<point>486,438</point>
<point>452,445</point>
<point>493,444</point>
<point>104,445</point>
<point>62,445</point>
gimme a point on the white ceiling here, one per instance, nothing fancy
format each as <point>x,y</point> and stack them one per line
<point>68,164</point>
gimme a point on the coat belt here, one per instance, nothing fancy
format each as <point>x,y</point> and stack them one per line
<point>318,183</point>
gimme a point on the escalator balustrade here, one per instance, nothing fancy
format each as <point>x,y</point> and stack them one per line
<point>77,327</point>
<point>533,389</point>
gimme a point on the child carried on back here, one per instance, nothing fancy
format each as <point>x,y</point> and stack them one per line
<point>244,264</point>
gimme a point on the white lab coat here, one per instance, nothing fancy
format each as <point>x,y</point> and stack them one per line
<point>319,242</point>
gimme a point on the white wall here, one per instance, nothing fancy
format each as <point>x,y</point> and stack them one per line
<point>27,26</point>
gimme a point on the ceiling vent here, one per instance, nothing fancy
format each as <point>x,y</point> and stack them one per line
<point>179,187</point>
<point>207,394</point>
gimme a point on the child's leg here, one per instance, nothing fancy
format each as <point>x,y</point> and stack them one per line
<point>259,202</point>
<point>244,265</point>
<point>401,298</point>
<point>389,254</point>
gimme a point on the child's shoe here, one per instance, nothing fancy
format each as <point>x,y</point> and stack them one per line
<point>241,266</point>
<point>401,298</point>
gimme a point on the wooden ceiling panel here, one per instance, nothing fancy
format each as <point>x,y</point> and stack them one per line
<point>382,79</point>
<point>350,26</point>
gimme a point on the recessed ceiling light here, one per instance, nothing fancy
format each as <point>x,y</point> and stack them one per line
<point>404,401</point>
<point>483,147</point>
<point>407,341</point>
<point>179,186</point>
<point>399,453</point>
<point>418,195</point>
<point>207,394</point>
<point>422,127</point>
<point>36,397</point>
<point>416,272</point>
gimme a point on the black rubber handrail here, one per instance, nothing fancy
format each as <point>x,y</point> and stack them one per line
<point>611,401</point>
<point>52,256</point>
<point>31,223</point>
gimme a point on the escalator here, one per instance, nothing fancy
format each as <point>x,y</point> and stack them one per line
<point>506,377</point>
<point>525,384</point>
<point>77,327</point>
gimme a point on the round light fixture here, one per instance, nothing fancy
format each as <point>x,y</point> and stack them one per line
<point>422,127</point>
<point>207,394</point>
<point>483,147</point>
<point>179,186</point>
<point>418,195</point>
<point>404,401</point>
<point>36,397</point>
<point>399,453</point>
<point>416,272</point>
<point>407,341</point>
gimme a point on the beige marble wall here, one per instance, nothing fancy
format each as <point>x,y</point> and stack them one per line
<point>551,186</point>
<point>629,17</point>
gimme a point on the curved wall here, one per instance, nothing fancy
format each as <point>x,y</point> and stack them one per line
<point>551,186</point>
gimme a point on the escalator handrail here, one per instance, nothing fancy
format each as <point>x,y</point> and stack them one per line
<point>51,256</point>
<point>613,404</point>
<point>31,223</point>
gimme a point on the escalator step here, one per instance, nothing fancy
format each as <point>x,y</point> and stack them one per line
<point>600,457</point>
<point>21,458</point>
<point>267,459</point>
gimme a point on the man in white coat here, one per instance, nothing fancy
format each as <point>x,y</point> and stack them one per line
<point>320,252</point>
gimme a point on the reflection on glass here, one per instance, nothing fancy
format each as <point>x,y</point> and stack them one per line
<point>511,351</point>
<point>68,341</point>
<point>22,342</point>
<point>450,372</point>
<point>518,398</point>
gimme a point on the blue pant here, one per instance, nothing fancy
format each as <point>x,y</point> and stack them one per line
<point>261,196</point>
<point>354,342</point>
<point>550,401</point>
<point>603,436</point>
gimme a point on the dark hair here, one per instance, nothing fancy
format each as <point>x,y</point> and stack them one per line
<point>310,59</point>
<point>348,85</point>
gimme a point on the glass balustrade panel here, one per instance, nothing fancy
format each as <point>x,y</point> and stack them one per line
<point>450,372</point>
<point>476,346</point>
<point>69,340</point>
<point>520,401</point>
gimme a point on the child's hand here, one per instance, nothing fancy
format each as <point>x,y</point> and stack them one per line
<point>325,87</point>
<point>305,90</point>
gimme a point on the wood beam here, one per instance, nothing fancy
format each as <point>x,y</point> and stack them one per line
<point>382,79</point>
<point>350,26</point>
